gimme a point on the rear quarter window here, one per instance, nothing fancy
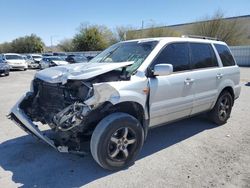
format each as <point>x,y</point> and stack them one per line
<point>225,55</point>
<point>202,56</point>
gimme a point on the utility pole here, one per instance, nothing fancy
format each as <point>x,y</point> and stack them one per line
<point>51,41</point>
<point>142,26</point>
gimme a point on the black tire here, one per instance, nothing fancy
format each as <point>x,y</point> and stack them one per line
<point>7,74</point>
<point>108,145</point>
<point>222,109</point>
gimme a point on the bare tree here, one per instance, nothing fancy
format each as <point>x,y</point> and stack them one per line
<point>66,45</point>
<point>228,30</point>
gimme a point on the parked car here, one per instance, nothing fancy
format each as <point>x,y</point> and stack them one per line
<point>125,90</point>
<point>76,59</point>
<point>4,68</point>
<point>47,54</point>
<point>51,61</point>
<point>34,60</point>
<point>16,61</point>
<point>60,54</point>
<point>26,59</point>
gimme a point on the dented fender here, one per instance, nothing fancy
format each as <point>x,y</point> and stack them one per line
<point>117,92</point>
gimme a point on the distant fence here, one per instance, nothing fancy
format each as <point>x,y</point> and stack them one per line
<point>241,55</point>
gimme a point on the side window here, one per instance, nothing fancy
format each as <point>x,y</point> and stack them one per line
<point>175,54</point>
<point>202,56</point>
<point>225,55</point>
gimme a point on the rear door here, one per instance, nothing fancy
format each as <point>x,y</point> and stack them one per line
<point>171,96</point>
<point>206,77</point>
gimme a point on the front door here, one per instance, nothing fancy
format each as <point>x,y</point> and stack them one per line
<point>171,96</point>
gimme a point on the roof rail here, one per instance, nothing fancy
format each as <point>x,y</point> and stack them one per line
<point>200,37</point>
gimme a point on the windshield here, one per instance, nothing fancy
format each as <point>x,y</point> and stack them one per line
<point>9,57</point>
<point>135,51</point>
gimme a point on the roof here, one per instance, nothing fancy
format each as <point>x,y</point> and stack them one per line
<point>175,39</point>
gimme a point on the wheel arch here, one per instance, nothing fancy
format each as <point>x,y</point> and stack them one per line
<point>134,109</point>
<point>230,90</point>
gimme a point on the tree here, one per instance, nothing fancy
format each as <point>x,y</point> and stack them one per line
<point>27,44</point>
<point>93,37</point>
<point>151,31</point>
<point>160,32</point>
<point>66,45</point>
<point>5,47</point>
<point>230,31</point>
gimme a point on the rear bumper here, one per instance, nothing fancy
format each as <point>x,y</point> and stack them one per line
<point>237,90</point>
<point>23,121</point>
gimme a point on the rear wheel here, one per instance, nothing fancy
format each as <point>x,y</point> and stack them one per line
<point>222,109</point>
<point>116,141</point>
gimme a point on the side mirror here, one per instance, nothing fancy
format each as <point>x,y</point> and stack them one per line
<point>162,69</point>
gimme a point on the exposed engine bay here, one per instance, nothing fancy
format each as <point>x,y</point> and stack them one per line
<point>63,108</point>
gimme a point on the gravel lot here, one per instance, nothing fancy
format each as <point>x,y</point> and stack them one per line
<point>189,153</point>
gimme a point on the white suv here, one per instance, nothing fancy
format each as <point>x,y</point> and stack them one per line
<point>130,87</point>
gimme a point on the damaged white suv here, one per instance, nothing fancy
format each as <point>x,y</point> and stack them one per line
<point>130,87</point>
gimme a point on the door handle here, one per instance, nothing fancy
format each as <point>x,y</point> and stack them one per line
<point>219,76</point>
<point>189,81</point>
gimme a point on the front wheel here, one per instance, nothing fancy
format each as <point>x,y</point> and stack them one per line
<point>222,109</point>
<point>116,141</point>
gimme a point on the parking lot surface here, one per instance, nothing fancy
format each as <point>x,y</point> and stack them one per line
<point>189,153</point>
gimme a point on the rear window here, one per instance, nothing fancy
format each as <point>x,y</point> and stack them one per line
<point>202,56</point>
<point>225,55</point>
<point>9,57</point>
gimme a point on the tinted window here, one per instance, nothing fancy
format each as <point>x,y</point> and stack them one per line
<point>202,56</point>
<point>225,55</point>
<point>175,54</point>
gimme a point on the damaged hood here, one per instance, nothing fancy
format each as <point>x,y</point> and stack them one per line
<point>79,71</point>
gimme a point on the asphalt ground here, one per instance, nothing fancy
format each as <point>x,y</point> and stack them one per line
<point>189,153</point>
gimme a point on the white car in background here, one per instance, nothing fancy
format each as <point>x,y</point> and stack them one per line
<point>52,61</point>
<point>34,60</point>
<point>15,61</point>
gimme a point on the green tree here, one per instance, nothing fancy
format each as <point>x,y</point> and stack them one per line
<point>5,47</point>
<point>28,44</point>
<point>93,37</point>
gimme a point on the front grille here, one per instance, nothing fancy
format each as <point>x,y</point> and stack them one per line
<point>51,96</point>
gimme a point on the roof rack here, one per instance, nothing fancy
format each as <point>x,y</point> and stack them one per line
<point>199,37</point>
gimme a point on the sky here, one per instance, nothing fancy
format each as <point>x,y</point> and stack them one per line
<point>60,19</point>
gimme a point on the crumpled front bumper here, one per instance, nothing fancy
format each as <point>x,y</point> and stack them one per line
<point>23,121</point>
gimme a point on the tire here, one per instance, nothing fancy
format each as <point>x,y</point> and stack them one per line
<point>108,146</point>
<point>7,74</point>
<point>222,109</point>
<point>25,69</point>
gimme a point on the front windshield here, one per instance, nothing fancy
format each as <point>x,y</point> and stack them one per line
<point>9,57</point>
<point>136,51</point>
